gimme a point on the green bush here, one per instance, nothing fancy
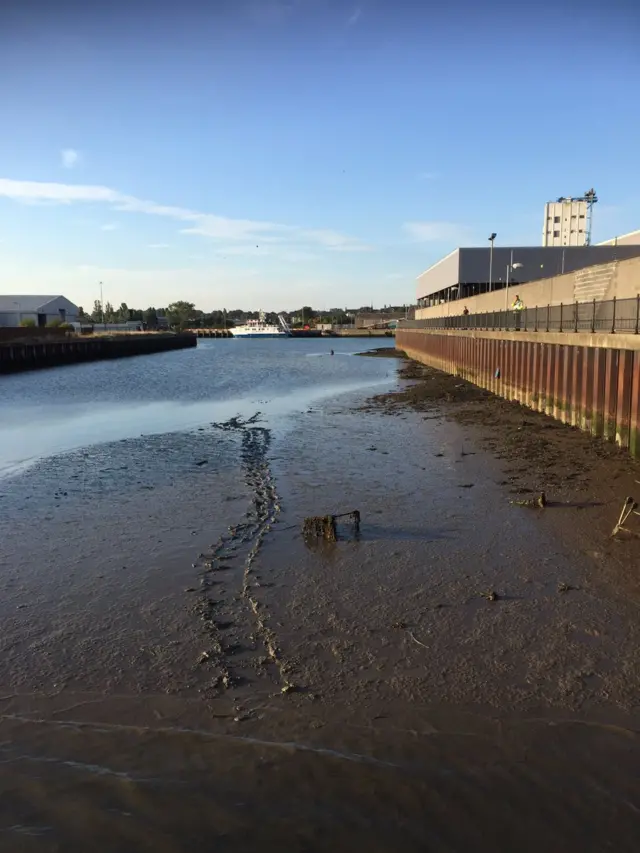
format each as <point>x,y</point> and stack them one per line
<point>54,324</point>
<point>28,322</point>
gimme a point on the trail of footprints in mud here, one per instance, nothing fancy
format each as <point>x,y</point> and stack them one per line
<point>235,622</point>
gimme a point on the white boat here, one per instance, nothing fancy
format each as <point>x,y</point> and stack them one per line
<point>261,329</point>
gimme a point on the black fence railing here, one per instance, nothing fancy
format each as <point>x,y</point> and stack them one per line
<point>615,315</point>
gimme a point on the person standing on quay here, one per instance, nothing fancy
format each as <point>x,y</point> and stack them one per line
<point>518,307</point>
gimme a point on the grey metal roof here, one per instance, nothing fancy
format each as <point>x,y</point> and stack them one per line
<point>24,303</point>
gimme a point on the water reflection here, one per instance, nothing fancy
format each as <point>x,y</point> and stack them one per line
<point>56,411</point>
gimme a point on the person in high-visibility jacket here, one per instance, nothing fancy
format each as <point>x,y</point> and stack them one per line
<point>517,307</point>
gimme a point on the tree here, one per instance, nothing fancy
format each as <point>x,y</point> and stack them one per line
<point>180,313</point>
<point>110,314</point>
<point>123,313</point>
<point>83,316</point>
<point>96,314</point>
<point>150,317</point>
<point>27,322</point>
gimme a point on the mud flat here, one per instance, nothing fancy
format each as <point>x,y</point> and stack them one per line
<point>182,670</point>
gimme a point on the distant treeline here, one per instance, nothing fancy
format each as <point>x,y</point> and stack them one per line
<point>184,315</point>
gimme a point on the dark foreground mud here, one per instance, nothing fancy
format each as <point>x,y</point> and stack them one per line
<point>182,671</point>
<point>575,471</point>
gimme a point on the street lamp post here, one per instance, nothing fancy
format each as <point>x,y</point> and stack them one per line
<point>510,266</point>
<point>491,239</point>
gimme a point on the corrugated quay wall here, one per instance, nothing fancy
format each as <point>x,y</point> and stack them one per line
<point>588,381</point>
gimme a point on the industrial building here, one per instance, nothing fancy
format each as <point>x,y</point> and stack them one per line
<point>630,239</point>
<point>567,221</point>
<point>468,272</point>
<point>42,310</point>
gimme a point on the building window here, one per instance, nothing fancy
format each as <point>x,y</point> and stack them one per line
<point>582,216</point>
<point>556,233</point>
<point>556,219</point>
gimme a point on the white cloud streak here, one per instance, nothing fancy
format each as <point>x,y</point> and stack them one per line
<point>219,228</point>
<point>69,157</point>
<point>109,226</point>
<point>257,251</point>
<point>158,246</point>
<point>354,17</point>
<point>436,232</point>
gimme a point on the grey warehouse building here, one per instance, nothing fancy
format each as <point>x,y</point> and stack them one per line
<point>16,308</point>
<point>469,271</point>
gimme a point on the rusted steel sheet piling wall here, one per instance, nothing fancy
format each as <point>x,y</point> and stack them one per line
<point>25,356</point>
<point>589,381</point>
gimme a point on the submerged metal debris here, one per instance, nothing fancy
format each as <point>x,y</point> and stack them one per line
<point>535,503</point>
<point>629,507</point>
<point>324,526</point>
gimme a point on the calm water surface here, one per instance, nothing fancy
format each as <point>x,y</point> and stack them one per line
<point>53,411</point>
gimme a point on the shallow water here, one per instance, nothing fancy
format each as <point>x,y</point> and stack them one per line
<point>374,698</point>
<point>62,409</point>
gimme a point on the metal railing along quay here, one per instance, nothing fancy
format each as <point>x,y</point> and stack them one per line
<point>614,315</point>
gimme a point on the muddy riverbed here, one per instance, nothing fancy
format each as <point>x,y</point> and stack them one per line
<point>181,670</point>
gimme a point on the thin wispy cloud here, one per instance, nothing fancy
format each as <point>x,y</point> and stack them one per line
<point>436,232</point>
<point>158,246</point>
<point>69,157</point>
<point>334,240</point>
<point>285,253</point>
<point>109,226</point>
<point>355,16</point>
<point>428,176</point>
<point>217,228</point>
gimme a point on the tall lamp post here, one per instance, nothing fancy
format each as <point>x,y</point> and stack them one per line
<point>492,237</point>
<point>510,267</point>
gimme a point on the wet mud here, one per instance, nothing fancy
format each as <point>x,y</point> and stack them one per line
<point>240,640</point>
<point>462,674</point>
<point>585,480</point>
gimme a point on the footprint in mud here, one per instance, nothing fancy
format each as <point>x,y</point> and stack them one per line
<point>234,554</point>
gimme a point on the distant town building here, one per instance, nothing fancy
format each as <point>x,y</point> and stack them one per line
<point>36,310</point>
<point>566,222</point>
<point>373,319</point>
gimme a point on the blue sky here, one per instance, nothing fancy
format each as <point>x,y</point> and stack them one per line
<point>269,154</point>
